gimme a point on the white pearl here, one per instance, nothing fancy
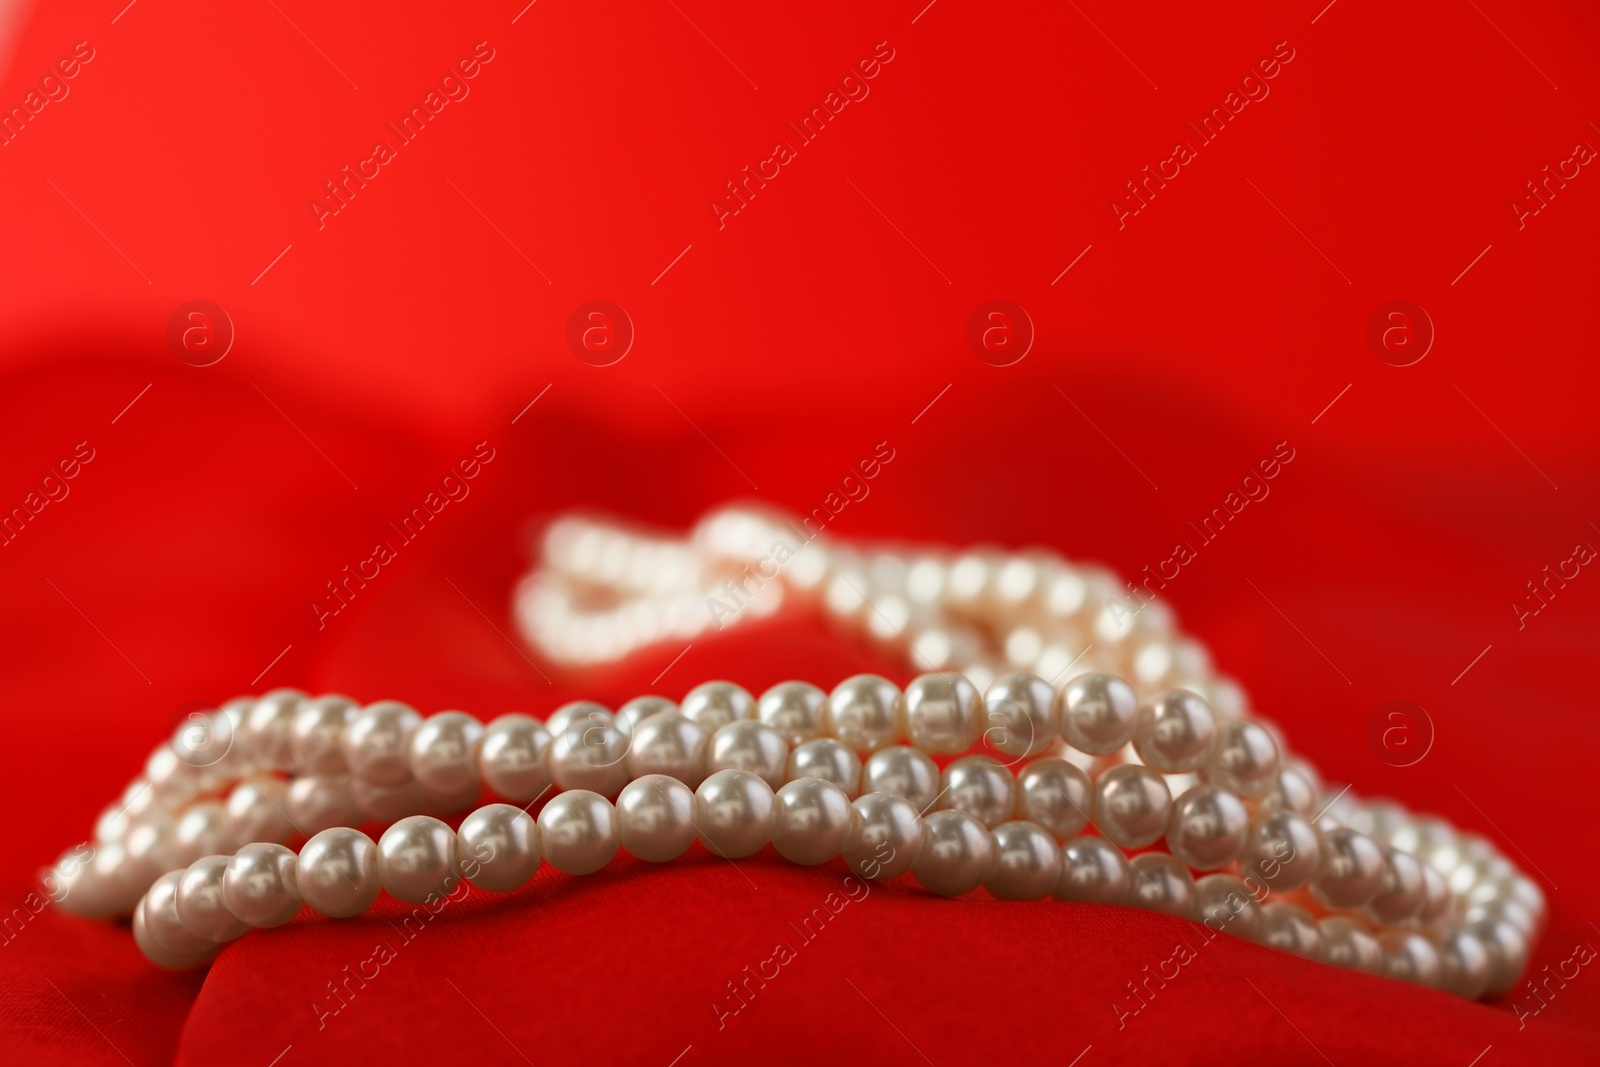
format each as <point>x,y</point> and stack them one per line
<point>1093,871</point>
<point>316,735</point>
<point>655,813</point>
<point>377,742</point>
<point>1282,850</point>
<point>1464,965</point>
<point>1207,827</point>
<point>1131,805</point>
<point>1176,731</point>
<point>1410,957</point>
<point>257,810</point>
<point>733,812</point>
<point>498,847</point>
<point>749,745</point>
<point>828,759</point>
<point>1020,714</point>
<point>1437,900</point>
<point>319,801</point>
<point>563,717</point>
<point>1225,904</point>
<point>1290,928</point>
<point>390,803</point>
<point>202,908</point>
<point>578,831</point>
<point>261,885</point>
<point>1346,943</point>
<point>1404,890</point>
<point>268,725</point>
<point>957,853</point>
<point>1055,794</point>
<point>444,753</point>
<point>148,852</point>
<point>943,714</point>
<point>417,860</point>
<point>1099,713</point>
<point>639,709</point>
<point>1027,862</point>
<point>162,923</point>
<point>1245,760</point>
<point>866,712</point>
<point>1351,869</point>
<point>1158,882</point>
<point>794,709</point>
<point>202,830</point>
<point>885,836</point>
<point>159,954</point>
<point>338,872</point>
<point>668,744</point>
<point>514,757</point>
<point>904,772</point>
<point>591,755</point>
<point>810,819</point>
<point>1294,790</point>
<point>172,780</point>
<point>981,787</point>
<point>713,704</point>
<point>1508,953</point>
<point>204,741</point>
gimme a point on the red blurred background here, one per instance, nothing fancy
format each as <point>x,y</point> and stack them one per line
<point>773,347</point>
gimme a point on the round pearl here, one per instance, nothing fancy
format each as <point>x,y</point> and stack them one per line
<point>1027,862</point>
<point>656,816</point>
<point>388,803</point>
<point>828,759</point>
<point>202,830</point>
<point>202,907</point>
<point>261,885</point>
<point>1282,850</point>
<point>668,744</point>
<point>1176,731</point>
<point>1021,713</point>
<point>639,709</point>
<point>733,812</point>
<point>957,853</point>
<point>417,859</point>
<point>885,836</point>
<point>1346,943</point>
<point>72,885</point>
<point>865,712</point>
<point>1093,871</point>
<point>810,820</point>
<point>1055,794</point>
<point>592,756</point>
<point>267,727</point>
<point>1404,889</point>
<point>1410,957</point>
<point>1508,953</point>
<point>1245,760</point>
<point>751,746</point>
<point>1290,928</point>
<point>171,779</point>
<point>257,810</point>
<point>578,831</point>
<point>713,704</point>
<point>204,741</point>
<point>1099,713</point>
<point>498,846</point>
<point>157,953</point>
<point>563,717</point>
<point>904,772</point>
<point>378,740</point>
<point>794,709</point>
<point>1225,904</point>
<point>1350,872</point>
<point>338,872</point>
<point>319,801</point>
<point>1293,790</point>
<point>1131,805</point>
<point>1207,827</point>
<point>981,787</point>
<point>1437,900</point>
<point>1464,965</point>
<point>514,758</point>
<point>1158,882</point>
<point>316,736</point>
<point>444,753</point>
<point>161,921</point>
<point>943,714</point>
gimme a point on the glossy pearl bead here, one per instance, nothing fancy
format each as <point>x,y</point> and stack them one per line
<point>444,753</point>
<point>1207,827</point>
<point>1464,965</point>
<point>1225,904</point>
<point>418,859</point>
<point>1176,732</point>
<point>1282,850</point>
<point>163,923</point>
<point>828,759</point>
<point>1131,805</point>
<point>715,704</point>
<point>591,755</point>
<point>1160,883</point>
<point>377,742</point>
<point>498,848</point>
<point>387,803</point>
<point>514,757</point>
<point>1347,944</point>
<point>159,954</point>
<point>319,801</point>
<point>261,885</point>
<point>338,872</point>
<point>1099,713</point>
<point>578,831</point>
<point>202,830</point>
<point>1410,957</point>
<point>733,813</point>
<point>865,712</point>
<point>943,714</point>
<point>1403,892</point>
<point>795,710</point>
<point>957,853</point>
<point>268,725</point>
<point>639,709</point>
<point>257,810</point>
<point>1244,761</point>
<point>1027,862</point>
<point>904,772</point>
<point>1055,794</point>
<point>1290,928</point>
<point>885,836</point>
<point>201,906</point>
<point>749,745</point>
<point>668,744</point>
<point>1020,714</point>
<point>655,814</point>
<point>810,820</point>
<point>1093,871</point>
<point>317,734</point>
<point>1351,869</point>
<point>981,787</point>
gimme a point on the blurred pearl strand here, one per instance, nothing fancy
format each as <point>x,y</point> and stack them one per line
<point>194,849</point>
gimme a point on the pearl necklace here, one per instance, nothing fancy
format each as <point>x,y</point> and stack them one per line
<point>195,848</point>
